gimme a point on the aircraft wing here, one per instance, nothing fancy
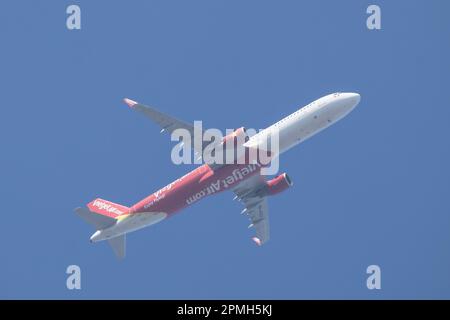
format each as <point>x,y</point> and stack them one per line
<point>167,123</point>
<point>248,192</point>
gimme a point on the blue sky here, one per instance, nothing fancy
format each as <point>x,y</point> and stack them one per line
<point>372,189</point>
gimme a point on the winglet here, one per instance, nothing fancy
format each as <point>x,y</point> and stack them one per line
<point>257,241</point>
<point>130,102</point>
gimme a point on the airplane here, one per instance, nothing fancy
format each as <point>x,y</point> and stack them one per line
<point>113,221</point>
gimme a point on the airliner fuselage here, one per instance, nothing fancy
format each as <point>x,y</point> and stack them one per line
<point>206,180</point>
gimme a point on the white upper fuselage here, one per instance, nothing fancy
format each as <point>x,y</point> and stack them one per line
<point>307,121</point>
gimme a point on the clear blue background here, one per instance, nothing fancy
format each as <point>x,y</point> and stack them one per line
<point>372,189</point>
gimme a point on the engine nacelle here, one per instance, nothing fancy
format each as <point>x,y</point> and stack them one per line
<point>238,136</point>
<point>278,184</point>
<point>232,147</point>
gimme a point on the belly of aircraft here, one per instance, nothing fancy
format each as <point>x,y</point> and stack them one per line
<point>133,222</point>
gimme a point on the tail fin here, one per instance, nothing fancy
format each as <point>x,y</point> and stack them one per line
<point>107,208</point>
<point>102,214</point>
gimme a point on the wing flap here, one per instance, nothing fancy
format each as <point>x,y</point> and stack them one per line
<point>256,208</point>
<point>259,217</point>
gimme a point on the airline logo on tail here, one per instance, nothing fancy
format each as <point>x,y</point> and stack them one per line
<point>107,208</point>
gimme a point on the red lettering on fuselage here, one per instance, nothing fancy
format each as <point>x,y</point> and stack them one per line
<point>194,186</point>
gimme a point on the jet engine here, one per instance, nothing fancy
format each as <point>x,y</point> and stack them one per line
<point>231,148</point>
<point>238,136</point>
<point>278,184</point>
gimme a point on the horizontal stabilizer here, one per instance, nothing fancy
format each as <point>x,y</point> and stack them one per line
<point>97,220</point>
<point>118,245</point>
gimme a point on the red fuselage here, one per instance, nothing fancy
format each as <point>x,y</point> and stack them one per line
<point>197,184</point>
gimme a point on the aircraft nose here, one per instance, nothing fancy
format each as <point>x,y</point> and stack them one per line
<point>352,99</point>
